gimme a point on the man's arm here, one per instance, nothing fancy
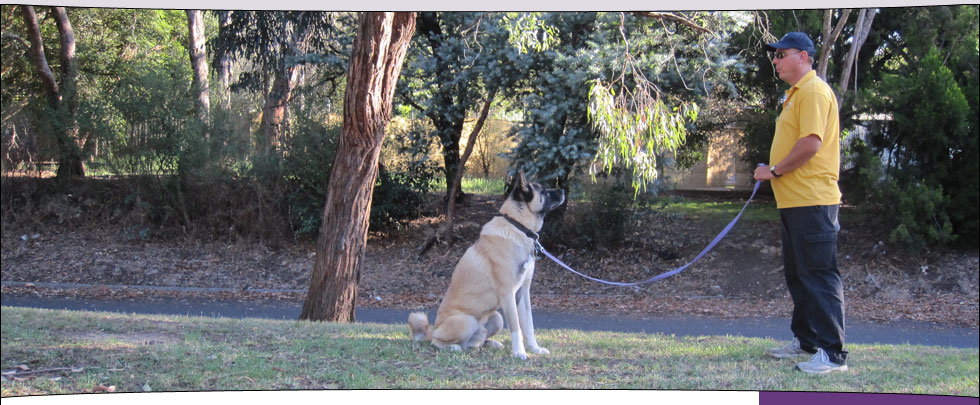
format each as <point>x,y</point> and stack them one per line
<point>802,152</point>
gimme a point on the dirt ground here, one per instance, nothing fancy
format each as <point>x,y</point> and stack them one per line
<point>742,277</point>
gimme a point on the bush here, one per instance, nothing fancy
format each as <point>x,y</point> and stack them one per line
<point>306,170</point>
<point>599,221</point>
<point>396,197</point>
<point>927,186</point>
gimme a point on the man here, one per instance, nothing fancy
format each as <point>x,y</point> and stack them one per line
<point>804,165</point>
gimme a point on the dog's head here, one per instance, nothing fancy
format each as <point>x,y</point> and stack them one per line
<point>531,201</point>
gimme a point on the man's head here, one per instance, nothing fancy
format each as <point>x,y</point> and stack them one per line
<point>793,56</point>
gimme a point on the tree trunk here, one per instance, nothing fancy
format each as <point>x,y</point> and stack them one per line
<point>61,99</point>
<point>829,38</point>
<point>70,144</point>
<point>456,184</point>
<point>861,30</point>
<point>199,64</point>
<point>376,62</point>
<point>36,54</point>
<point>224,68</point>
<point>447,110</point>
<point>274,110</point>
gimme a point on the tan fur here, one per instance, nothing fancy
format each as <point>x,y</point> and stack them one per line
<point>495,273</point>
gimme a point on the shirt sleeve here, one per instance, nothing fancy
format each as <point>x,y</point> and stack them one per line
<point>814,109</point>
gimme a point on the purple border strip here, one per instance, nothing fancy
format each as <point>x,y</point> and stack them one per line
<point>844,398</point>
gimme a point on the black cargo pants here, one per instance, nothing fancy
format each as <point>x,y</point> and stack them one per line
<point>809,236</point>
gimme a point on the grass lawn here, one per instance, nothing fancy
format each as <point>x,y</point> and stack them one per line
<point>57,352</point>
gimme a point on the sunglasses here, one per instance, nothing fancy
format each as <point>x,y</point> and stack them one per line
<point>781,54</point>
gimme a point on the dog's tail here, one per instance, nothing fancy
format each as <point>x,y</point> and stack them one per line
<point>418,323</point>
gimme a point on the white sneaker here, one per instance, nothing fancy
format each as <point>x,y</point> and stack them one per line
<point>793,349</point>
<point>820,364</point>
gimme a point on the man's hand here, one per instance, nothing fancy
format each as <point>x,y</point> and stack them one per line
<point>803,150</point>
<point>762,173</point>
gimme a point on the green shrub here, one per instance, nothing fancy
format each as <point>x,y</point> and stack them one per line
<point>306,170</point>
<point>598,220</point>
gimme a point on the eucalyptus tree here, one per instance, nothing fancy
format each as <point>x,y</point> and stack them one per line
<point>276,43</point>
<point>199,64</point>
<point>376,62</point>
<point>617,90</point>
<point>62,94</point>
<point>457,60</point>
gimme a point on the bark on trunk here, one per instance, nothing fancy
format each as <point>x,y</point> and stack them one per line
<point>375,65</point>
<point>61,98</point>
<point>71,145</point>
<point>224,69</point>
<point>36,54</point>
<point>461,168</point>
<point>199,65</point>
<point>861,30</point>
<point>829,37</point>
<point>274,110</point>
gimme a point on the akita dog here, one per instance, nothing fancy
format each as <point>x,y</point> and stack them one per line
<point>494,273</point>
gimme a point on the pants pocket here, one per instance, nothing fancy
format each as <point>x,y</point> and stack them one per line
<point>821,250</point>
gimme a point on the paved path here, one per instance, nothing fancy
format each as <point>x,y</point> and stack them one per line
<point>911,332</point>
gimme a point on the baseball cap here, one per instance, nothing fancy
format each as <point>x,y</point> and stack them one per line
<point>795,40</point>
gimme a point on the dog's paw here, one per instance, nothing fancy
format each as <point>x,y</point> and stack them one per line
<point>494,344</point>
<point>521,355</point>
<point>454,348</point>
<point>540,350</point>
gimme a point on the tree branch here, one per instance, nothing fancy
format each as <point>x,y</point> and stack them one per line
<point>674,17</point>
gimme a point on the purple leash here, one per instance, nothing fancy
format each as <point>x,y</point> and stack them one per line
<point>669,273</point>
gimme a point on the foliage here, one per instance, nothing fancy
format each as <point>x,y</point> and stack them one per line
<point>270,40</point>
<point>528,32</point>
<point>601,221</point>
<point>635,132</point>
<point>927,145</point>
<point>609,93</point>
<point>455,61</point>
<point>397,196</point>
<point>640,121</point>
<point>305,170</point>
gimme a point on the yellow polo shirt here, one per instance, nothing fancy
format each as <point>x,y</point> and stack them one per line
<point>810,109</point>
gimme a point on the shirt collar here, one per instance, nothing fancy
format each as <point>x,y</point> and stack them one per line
<point>799,83</point>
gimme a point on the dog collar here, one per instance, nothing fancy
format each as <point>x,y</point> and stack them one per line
<point>521,227</point>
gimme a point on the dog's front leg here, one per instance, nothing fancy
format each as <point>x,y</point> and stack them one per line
<point>526,320</point>
<point>509,305</point>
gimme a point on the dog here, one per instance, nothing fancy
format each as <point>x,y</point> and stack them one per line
<point>494,273</point>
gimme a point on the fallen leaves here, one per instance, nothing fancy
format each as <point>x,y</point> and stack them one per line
<point>740,278</point>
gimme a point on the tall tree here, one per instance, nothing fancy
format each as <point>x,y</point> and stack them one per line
<point>829,37</point>
<point>376,62</point>
<point>277,43</point>
<point>63,99</point>
<point>224,63</point>
<point>861,30</point>
<point>458,180</point>
<point>455,58</point>
<point>199,64</point>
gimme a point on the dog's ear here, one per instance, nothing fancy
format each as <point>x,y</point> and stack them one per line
<point>522,181</point>
<point>522,190</point>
